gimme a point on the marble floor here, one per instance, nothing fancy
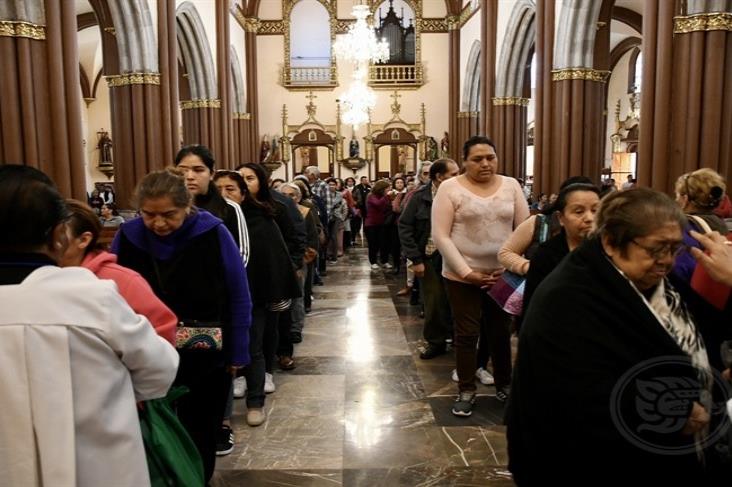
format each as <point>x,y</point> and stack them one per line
<point>361,408</point>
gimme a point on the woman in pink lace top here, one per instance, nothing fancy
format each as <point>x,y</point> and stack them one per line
<point>472,216</point>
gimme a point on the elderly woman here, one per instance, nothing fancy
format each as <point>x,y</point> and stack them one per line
<point>194,266</point>
<point>472,215</point>
<point>611,371</point>
<point>75,357</point>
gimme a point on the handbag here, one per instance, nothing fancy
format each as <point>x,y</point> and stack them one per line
<point>172,457</point>
<point>508,292</point>
<point>192,335</point>
<point>198,336</point>
<point>713,292</point>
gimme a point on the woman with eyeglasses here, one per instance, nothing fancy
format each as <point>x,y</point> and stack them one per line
<point>612,371</point>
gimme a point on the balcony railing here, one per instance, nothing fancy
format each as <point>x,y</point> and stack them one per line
<point>309,76</point>
<point>390,76</point>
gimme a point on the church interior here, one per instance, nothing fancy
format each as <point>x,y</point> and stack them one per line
<point>99,93</point>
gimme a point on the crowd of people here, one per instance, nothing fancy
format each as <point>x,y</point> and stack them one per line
<point>212,282</point>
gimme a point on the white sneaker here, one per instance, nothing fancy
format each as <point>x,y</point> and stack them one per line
<point>375,267</point>
<point>269,385</point>
<point>240,387</point>
<point>454,376</point>
<point>484,377</point>
<point>388,266</point>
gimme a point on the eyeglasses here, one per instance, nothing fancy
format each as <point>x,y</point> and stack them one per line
<point>660,251</point>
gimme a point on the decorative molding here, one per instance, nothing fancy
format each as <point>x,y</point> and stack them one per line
<point>434,25</point>
<point>200,103</point>
<point>18,28</point>
<point>510,100</point>
<point>132,79</point>
<point>342,25</point>
<point>587,74</point>
<point>467,12</point>
<point>703,22</point>
<point>242,116</point>
<point>468,114</point>
<point>453,22</point>
<point>272,27</point>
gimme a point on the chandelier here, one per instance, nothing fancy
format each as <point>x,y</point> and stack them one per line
<point>361,47</point>
<point>360,44</point>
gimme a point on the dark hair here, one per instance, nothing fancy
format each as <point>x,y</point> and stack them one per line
<point>331,180</point>
<point>112,207</point>
<point>352,179</point>
<point>304,180</point>
<point>561,202</point>
<point>439,167</point>
<point>398,178</point>
<point>264,195</point>
<point>367,178</point>
<point>475,140</point>
<point>203,152</point>
<point>157,184</point>
<point>379,187</point>
<point>234,176</point>
<point>83,219</point>
<point>570,181</point>
<point>275,180</point>
<point>30,208</point>
<point>627,215</point>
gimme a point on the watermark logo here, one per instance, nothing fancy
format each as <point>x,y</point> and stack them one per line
<point>650,406</point>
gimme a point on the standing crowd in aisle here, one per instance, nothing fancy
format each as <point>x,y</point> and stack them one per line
<point>212,282</point>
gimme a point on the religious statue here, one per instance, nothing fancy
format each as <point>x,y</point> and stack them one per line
<point>276,156</point>
<point>402,151</point>
<point>304,156</point>
<point>445,145</point>
<point>353,147</point>
<point>432,150</point>
<point>264,151</point>
<point>105,148</point>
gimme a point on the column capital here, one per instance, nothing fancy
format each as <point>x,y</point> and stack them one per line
<point>200,103</point>
<point>510,100</point>
<point>117,80</point>
<point>703,22</point>
<point>19,28</point>
<point>587,74</point>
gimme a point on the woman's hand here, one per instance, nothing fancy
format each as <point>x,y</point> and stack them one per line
<point>719,261</point>
<point>477,278</point>
<point>698,419</point>
<point>491,279</point>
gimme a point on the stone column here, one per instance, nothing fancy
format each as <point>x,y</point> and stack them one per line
<point>40,100</point>
<point>252,105</point>
<point>225,140</point>
<point>488,34</point>
<point>201,121</point>
<point>170,98</point>
<point>686,94</point>
<point>543,116</point>
<point>455,142</point>
<point>510,134</point>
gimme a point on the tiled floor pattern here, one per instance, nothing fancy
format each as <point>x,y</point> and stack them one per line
<point>361,408</point>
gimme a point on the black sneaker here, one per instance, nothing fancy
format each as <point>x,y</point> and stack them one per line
<point>464,404</point>
<point>502,393</point>
<point>432,351</point>
<point>224,441</point>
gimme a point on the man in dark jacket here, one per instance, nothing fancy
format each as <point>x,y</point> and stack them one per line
<point>197,164</point>
<point>415,229</point>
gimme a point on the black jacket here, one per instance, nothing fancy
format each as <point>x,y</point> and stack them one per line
<point>215,204</point>
<point>546,258</point>
<point>293,231</point>
<point>415,224</point>
<point>586,328</point>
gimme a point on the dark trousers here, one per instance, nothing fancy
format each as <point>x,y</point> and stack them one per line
<point>201,411</point>
<point>308,288</point>
<point>355,227</point>
<point>437,315</point>
<point>378,244</point>
<point>284,333</point>
<point>271,338</point>
<point>395,246</point>
<point>471,305</point>
<point>254,372</point>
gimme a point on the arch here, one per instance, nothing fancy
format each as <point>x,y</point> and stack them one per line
<point>471,84</point>
<point>196,52</point>
<point>576,34</point>
<point>515,50</point>
<point>239,105</point>
<point>309,36</point>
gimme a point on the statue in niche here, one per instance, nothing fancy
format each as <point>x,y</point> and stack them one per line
<point>445,145</point>
<point>432,149</point>
<point>275,154</point>
<point>402,151</point>
<point>264,151</point>
<point>304,156</point>
<point>353,147</point>
<point>105,148</point>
